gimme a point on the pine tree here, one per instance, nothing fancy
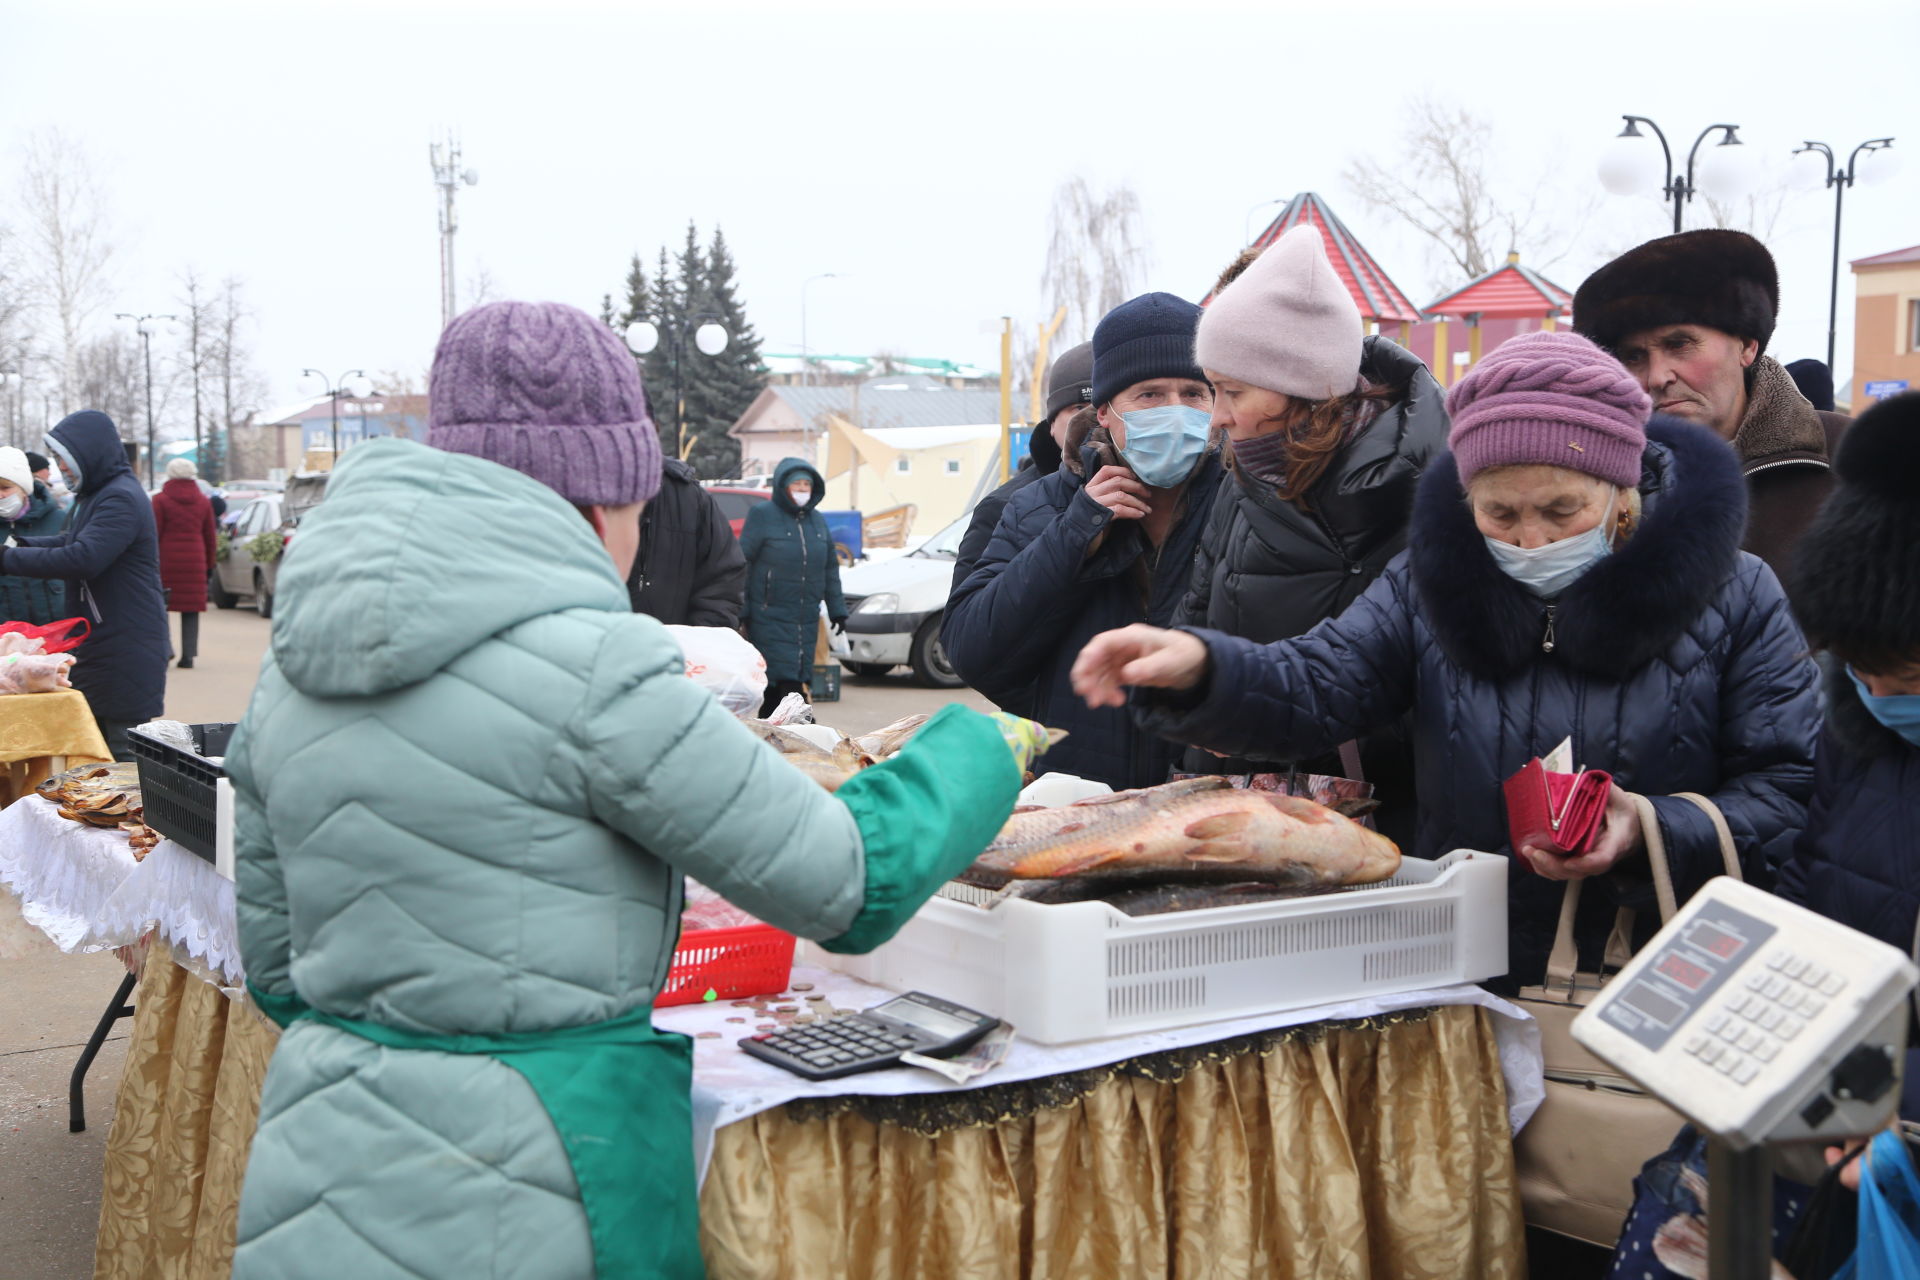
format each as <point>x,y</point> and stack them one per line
<point>657,369</point>
<point>734,377</point>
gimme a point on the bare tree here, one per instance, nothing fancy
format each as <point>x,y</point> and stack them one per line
<point>108,375</point>
<point>1096,255</point>
<point>1443,184</point>
<point>202,324</point>
<point>67,244</point>
<point>1758,213</point>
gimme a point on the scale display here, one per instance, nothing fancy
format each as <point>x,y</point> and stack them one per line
<point>1686,973</point>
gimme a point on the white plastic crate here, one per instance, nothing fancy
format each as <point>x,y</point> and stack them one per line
<point>1085,970</point>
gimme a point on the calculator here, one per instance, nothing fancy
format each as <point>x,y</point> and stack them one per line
<point>869,1041</point>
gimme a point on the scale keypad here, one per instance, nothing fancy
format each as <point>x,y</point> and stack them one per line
<point>1759,1017</point>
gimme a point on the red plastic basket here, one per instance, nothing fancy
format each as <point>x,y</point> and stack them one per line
<point>752,960</point>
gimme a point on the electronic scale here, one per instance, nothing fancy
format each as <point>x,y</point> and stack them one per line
<point>1761,1022</point>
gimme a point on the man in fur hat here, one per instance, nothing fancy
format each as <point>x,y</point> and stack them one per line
<point>1690,316</point>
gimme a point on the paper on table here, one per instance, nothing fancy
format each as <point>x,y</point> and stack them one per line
<point>983,1057</point>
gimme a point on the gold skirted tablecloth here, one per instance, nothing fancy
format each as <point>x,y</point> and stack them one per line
<point>39,731</point>
<point>1375,1150</point>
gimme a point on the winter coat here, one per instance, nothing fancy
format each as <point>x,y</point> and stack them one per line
<point>183,519</point>
<point>108,556</point>
<point>466,812</point>
<point>1271,570</point>
<point>689,571</point>
<point>1014,627</point>
<point>791,570</point>
<point>35,600</point>
<point>1785,445</point>
<point>986,517</point>
<point>1675,665</point>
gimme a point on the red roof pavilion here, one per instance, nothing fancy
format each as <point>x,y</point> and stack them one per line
<point>1377,296</point>
<point>1510,292</point>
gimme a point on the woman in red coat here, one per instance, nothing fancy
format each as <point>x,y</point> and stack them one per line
<point>183,517</point>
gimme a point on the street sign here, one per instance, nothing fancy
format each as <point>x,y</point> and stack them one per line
<point>1881,390</point>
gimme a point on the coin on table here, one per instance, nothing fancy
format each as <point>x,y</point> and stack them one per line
<point>802,986</point>
<point>708,1035</point>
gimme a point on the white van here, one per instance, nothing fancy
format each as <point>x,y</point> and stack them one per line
<point>894,609</point>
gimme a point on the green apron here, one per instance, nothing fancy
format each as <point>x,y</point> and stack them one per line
<point>619,1093</point>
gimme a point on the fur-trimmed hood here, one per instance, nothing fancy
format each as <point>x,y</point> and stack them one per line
<point>1624,611</point>
<point>1781,425</point>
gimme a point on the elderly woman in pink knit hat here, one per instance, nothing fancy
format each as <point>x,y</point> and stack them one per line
<point>1573,572</point>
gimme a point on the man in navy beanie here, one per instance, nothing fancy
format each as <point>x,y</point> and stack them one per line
<point>1107,540</point>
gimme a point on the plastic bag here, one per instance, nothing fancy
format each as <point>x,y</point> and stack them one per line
<point>54,636</point>
<point>722,662</point>
<point>16,642</point>
<point>1889,1241</point>
<point>35,672</point>
<point>793,709</point>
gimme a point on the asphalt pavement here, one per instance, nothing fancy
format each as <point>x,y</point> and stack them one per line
<point>49,1003</point>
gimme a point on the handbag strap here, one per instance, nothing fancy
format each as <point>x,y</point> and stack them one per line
<point>1563,960</point>
<point>1350,760</point>
<point>1729,854</point>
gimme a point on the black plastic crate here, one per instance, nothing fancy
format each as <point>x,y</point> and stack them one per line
<point>826,683</point>
<point>177,787</point>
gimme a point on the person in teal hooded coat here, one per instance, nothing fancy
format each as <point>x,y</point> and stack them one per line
<point>465,793</point>
<point>791,571</point>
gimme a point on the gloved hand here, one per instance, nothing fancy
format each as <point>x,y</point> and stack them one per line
<point>839,623</point>
<point>1025,738</point>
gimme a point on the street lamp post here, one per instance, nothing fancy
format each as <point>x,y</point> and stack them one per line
<point>144,324</point>
<point>709,337</point>
<point>806,368</point>
<point>1840,180</point>
<point>1622,172</point>
<point>353,382</point>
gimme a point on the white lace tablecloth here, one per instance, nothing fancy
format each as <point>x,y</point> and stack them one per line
<point>80,887</point>
<point>728,1085</point>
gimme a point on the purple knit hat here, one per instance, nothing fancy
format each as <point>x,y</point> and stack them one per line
<point>549,391</point>
<point>1554,399</point>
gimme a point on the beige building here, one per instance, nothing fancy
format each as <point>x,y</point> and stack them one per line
<point>791,422</point>
<point>1886,325</point>
<point>936,469</point>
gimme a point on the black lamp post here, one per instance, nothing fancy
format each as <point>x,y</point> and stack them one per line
<point>359,388</point>
<point>1839,180</point>
<point>708,337</point>
<point>144,324</point>
<point>1621,172</point>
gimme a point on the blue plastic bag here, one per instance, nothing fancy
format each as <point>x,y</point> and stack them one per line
<point>1889,1244</point>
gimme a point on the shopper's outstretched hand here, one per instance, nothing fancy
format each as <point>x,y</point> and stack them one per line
<point>1138,655</point>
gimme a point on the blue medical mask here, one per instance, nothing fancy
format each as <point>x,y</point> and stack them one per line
<point>1900,712</point>
<point>1164,443</point>
<point>1549,570</point>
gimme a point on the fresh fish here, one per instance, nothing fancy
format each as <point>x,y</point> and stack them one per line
<point>1195,831</point>
<point>883,742</point>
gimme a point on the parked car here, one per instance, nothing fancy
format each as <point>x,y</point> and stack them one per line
<point>894,609</point>
<point>239,574</point>
<point>735,501</point>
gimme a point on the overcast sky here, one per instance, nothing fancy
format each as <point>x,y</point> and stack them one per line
<point>912,147</point>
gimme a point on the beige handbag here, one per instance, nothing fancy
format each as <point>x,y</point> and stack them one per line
<point>1578,1156</point>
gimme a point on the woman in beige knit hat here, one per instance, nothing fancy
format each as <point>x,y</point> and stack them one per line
<point>1329,430</point>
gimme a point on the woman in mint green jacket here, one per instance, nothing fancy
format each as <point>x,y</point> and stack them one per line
<point>466,790</point>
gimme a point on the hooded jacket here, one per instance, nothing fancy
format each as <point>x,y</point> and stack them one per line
<point>465,791</point>
<point>108,556</point>
<point>35,600</point>
<point>1014,627</point>
<point>183,522</point>
<point>689,571</point>
<point>1785,447</point>
<point>1271,570</point>
<point>791,571</point>
<point>1676,666</point>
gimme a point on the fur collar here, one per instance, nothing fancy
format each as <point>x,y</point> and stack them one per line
<point>1848,719</point>
<point>1627,609</point>
<point>1780,424</point>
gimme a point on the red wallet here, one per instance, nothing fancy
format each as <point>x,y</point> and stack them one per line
<point>1555,811</point>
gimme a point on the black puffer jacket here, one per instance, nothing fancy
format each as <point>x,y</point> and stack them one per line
<point>1014,627</point>
<point>1271,570</point>
<point>109,557</point>
<point>1676,666</point>
<point>689,571</point>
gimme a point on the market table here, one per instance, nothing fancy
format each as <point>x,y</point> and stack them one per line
<point>42,734</point>
<point>1364,1140</point>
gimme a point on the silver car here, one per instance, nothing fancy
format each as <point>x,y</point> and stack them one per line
<point>240,574</point>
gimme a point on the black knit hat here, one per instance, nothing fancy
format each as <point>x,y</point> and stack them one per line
<point>1724,280</point>
<point>37,462</point>
<point>1815,381</point>
<point>1150,336</point>
<point>1070,381</point>
<point>1857,571</point>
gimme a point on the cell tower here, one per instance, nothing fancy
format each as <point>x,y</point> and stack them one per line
<point>448,176</point>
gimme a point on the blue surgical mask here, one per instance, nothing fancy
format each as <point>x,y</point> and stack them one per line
<point>1164,443</point>
<point>1900,712</point>
<point>1549,570</point>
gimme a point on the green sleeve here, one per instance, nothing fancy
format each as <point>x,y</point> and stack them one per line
<point>282,1009</point>
<point>924,815</point>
